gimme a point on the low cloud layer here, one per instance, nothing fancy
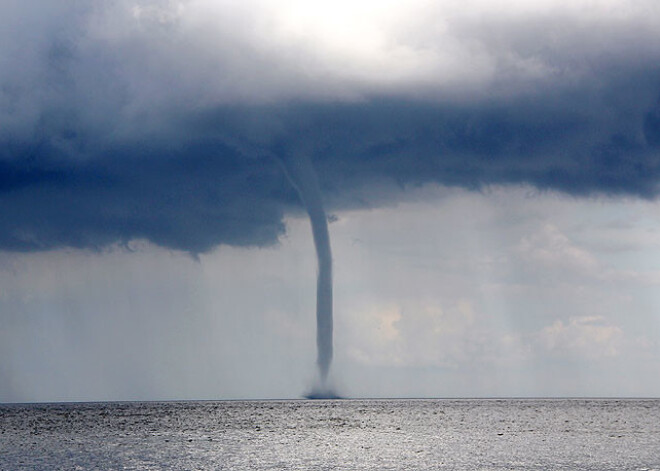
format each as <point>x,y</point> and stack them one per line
<point>164,120</point>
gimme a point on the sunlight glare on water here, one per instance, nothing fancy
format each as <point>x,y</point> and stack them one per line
<point>496,434</point>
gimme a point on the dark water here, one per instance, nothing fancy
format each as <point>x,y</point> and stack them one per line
<point>341,435</point>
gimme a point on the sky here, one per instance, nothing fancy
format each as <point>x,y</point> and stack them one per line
<point>490,171</point>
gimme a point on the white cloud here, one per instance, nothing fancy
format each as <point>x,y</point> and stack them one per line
<point>590,336</point>
<point>551,248</point>
<point>150,54</point>
<point>565,260</point>
<point>410,334</point>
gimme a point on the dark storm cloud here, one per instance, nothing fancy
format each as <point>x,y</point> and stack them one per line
<point>191,199</point>
<point>130,123</point>
<point>581,146</point>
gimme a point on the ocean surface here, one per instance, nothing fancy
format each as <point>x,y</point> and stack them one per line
<point>447,434</point>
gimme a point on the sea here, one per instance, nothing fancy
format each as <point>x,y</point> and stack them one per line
<point>401,434</point>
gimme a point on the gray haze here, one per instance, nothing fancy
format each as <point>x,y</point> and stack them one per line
<point>449,293</point>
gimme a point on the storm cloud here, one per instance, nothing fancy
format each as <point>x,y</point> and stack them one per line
<point>164,120</point>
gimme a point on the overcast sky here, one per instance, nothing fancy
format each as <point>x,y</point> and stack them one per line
<point>491,169</point>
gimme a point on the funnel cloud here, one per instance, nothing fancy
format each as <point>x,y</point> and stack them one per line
<point>303,177</point>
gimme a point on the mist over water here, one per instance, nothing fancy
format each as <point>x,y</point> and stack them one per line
<point>301,173</point>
